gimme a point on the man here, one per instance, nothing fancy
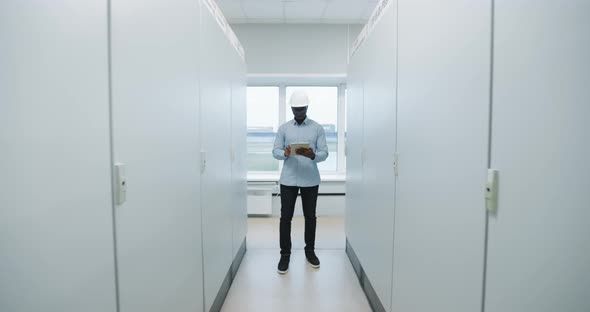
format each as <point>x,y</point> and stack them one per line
<point>300,172</point>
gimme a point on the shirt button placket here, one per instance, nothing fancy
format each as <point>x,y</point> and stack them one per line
<point>298,140</point>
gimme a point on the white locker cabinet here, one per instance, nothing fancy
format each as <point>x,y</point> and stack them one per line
<point>443,105</point>
<point>176,99</point>
<point>155,70</point>
<point>179,127</point>
<point>239,155</point>
<point>422,76</point>
<point>539,239</point>
<point>372,133</point>
<point>56,233</point>
<point>222,98</point>
<point>532,75</point>
<point>354,146</point>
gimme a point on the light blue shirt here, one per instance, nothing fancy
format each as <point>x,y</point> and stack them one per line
<point>299,170</point>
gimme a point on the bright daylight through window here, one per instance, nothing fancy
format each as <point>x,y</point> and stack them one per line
<point>324,110</point>
<point>263,123</point>
<point>267,110</point>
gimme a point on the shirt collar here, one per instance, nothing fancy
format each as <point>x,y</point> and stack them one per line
<point>303,123</point>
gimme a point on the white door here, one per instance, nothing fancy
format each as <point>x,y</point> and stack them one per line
<point>443,121</point>
<point>239,186</point>
<point>155,51</point>
<point>56,222</point>
<point>354,146</point>
<point>216,96</point>
<point>539,240</point>
<point>376,209</point>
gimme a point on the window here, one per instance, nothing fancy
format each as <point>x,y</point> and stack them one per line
<point>345,132</point>
<point>268,108</point>
<point>324,110</point>
<point>263,123</point>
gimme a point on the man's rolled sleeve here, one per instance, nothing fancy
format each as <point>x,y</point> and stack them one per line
<point>321,153</point>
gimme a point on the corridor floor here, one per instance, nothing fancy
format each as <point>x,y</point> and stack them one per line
<point>258,286</point>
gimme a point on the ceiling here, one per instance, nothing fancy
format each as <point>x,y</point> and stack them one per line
<point>297,11</point>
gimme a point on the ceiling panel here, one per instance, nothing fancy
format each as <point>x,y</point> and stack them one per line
<point>297,11</point>
<point>261,9</point>
<point>307,9</point>
<point>346,10</point>
<point>231,9</point>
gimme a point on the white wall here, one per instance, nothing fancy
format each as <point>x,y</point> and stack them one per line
<point>56,230</point>
<point>296,49</point>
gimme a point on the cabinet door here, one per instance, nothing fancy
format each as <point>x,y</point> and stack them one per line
<point>239,154</point>
<point>443,122</point>
<point>379,142</point>
<point>56,223</point>
<point>539,240</point>
<point>216,201</point>
<point>354,146</point>
<point>155,52</point>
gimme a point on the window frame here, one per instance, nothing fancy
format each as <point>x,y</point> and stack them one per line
<point>282,83</point>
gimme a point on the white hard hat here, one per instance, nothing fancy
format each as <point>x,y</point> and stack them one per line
<point>299,98</point>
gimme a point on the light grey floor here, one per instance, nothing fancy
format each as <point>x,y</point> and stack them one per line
<point>258,286</point>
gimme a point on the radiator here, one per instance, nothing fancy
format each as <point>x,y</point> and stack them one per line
<point>260,198</point>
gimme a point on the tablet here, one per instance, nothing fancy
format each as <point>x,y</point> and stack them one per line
<point>298,145</point>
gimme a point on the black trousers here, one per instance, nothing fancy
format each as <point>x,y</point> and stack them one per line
<point>309,197</point>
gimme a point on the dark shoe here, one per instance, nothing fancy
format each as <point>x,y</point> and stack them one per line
<point>312,259</point>
<point>284,264</point>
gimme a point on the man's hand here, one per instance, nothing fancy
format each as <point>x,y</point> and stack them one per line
<point>307,152</point>
<point>288,151</point>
